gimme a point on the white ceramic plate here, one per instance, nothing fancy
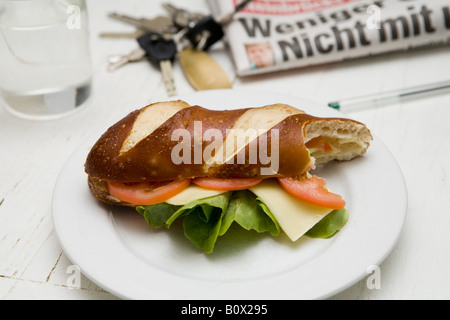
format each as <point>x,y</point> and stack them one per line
<point>115,248</point>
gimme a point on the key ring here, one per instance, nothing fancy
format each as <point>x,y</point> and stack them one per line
<point>202,43</point>
<point>180,35</point>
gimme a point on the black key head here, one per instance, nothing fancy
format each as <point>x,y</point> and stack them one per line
<point>158,49</point>
<point>213,28</point>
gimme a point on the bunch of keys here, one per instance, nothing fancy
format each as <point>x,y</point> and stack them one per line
<point>161,39</point>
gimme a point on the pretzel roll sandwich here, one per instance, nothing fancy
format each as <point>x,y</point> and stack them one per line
<point>171,160</point>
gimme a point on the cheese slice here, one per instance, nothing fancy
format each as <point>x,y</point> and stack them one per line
<point>192,193</point>
<point>294,216</point>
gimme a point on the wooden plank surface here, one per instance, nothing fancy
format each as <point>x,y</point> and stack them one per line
<point>32,263</point>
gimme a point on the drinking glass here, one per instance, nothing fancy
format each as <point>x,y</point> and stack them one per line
<point>45,64</point>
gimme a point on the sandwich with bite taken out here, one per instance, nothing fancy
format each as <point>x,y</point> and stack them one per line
<point>251,166</point>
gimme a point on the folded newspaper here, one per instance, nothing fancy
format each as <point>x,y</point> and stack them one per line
<point>283,34</point>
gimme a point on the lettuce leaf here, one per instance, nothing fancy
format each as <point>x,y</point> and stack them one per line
<point>157,215</point>
<point>250,213</point>
<point>206,219</point>
<point>329,225</point>
<point>202,218</point>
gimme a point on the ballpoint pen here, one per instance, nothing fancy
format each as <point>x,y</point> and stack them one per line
<point>383,98</point>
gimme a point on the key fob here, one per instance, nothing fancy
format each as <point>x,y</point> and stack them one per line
<point>215,30</point>
<point>157,48</point>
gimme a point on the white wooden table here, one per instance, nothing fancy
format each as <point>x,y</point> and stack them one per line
<point>32,263</point>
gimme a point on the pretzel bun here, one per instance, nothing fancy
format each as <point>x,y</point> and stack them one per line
<point>141,146</point>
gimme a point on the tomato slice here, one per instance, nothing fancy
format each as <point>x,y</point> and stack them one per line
<point>226,184</point>
<point>146,193</point>
<point>313,191</point>
<point>319,143</point>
